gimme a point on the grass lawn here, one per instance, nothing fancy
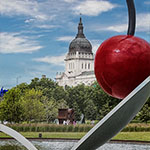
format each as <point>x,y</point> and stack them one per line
<point>139,136</point>
<point>69,135</point>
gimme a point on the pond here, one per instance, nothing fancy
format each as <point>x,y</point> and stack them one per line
<point>67,145</point>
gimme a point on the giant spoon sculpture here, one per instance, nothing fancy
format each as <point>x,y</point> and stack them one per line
<point>17,136</point>
<point>122,68</point>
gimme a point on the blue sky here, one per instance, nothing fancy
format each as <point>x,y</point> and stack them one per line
<point>35,34</point>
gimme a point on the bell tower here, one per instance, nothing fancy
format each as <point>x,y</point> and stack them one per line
<point>80,57</point>
<point>79,61</point>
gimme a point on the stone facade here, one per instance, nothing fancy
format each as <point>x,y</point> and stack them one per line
<point>79,62</point>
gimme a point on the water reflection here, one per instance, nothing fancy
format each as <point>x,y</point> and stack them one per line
<point>11,145</point>
<point>64,145</point>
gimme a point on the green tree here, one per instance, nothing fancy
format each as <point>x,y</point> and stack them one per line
<point>50,108</point>
<point>104,110</point>
<point>103,101</point>
<point>77,111</point>
<point>10,108</point>
<point>76,99</point>
<point>42,83</point>
<point>23,87</point>
<point>59,93</point>
<point>33,108</point>
<point>90,110</point>
<point>144,114</point>
<point>62,104</point>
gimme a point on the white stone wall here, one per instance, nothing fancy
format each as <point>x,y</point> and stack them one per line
<point>74,81</point>
<point>75,64</point>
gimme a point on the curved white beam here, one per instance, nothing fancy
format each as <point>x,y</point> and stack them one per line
<point>17,136</point>
<point>116,119</point>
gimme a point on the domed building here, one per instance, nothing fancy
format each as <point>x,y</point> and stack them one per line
<point>79,62</point>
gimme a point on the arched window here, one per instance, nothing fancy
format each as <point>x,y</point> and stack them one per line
<point>85,65</point>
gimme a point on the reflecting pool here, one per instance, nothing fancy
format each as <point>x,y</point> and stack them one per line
<point>67,145</point>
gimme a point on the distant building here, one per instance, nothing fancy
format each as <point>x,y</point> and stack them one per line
<point>79,62</point>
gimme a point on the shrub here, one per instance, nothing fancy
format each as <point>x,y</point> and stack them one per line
<point>133,127</point>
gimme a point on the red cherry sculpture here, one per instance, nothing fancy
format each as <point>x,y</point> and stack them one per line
<point>122,62</point>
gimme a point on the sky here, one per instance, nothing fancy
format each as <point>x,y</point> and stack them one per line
<point>35,34</point>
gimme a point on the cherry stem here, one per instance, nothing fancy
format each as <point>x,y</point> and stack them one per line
<point>132,17</point>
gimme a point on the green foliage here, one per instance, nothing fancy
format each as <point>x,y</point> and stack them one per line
<point>59,93</point>
<point>10,108</point>
<point>144,114</point>
<point>32,107</point>
<point>90,110</point>
<point>76,100</point>
<point>40,100</point>
<point>62,104</point>
<point>104,110</point>
<point>50,128</point>
<point>22,87</point>
<point>50,108</point>
<point>11,147</point>
<point>136,127</point>
<point>42,83</point>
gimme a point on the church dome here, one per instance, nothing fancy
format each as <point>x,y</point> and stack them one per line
<point>80,43</point>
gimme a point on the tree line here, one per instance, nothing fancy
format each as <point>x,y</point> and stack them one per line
<point>40,100</point>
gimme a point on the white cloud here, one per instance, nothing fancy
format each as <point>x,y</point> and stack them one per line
<point>49,9</point>
<point>49,13</point>
<point>22,7</point>
<point>93,7</point>
<point>42,14</point>
<point>29,20</point>
<point>56,60</point>
<point>143,22</point>
<point>95,45</point>
<point>16,43</point>
<point>69,1</point>
<point>46,26</point>
<point>118,28</point>
<point>65,38</point>
<point>142,25</point>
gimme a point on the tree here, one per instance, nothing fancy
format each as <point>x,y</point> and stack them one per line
<point>103,101</point>
<point>90,110</point>
<point>104,110</point>
<point>23,87</point>
<point>50,109</point>
<point>76,99</point>
<point>77,111</point>
<point>144,114</point>
<point>62,104</point>
<point>59,93</point>
<point>10,108</point>
<point>42,83</point>
<point>33,109</point>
